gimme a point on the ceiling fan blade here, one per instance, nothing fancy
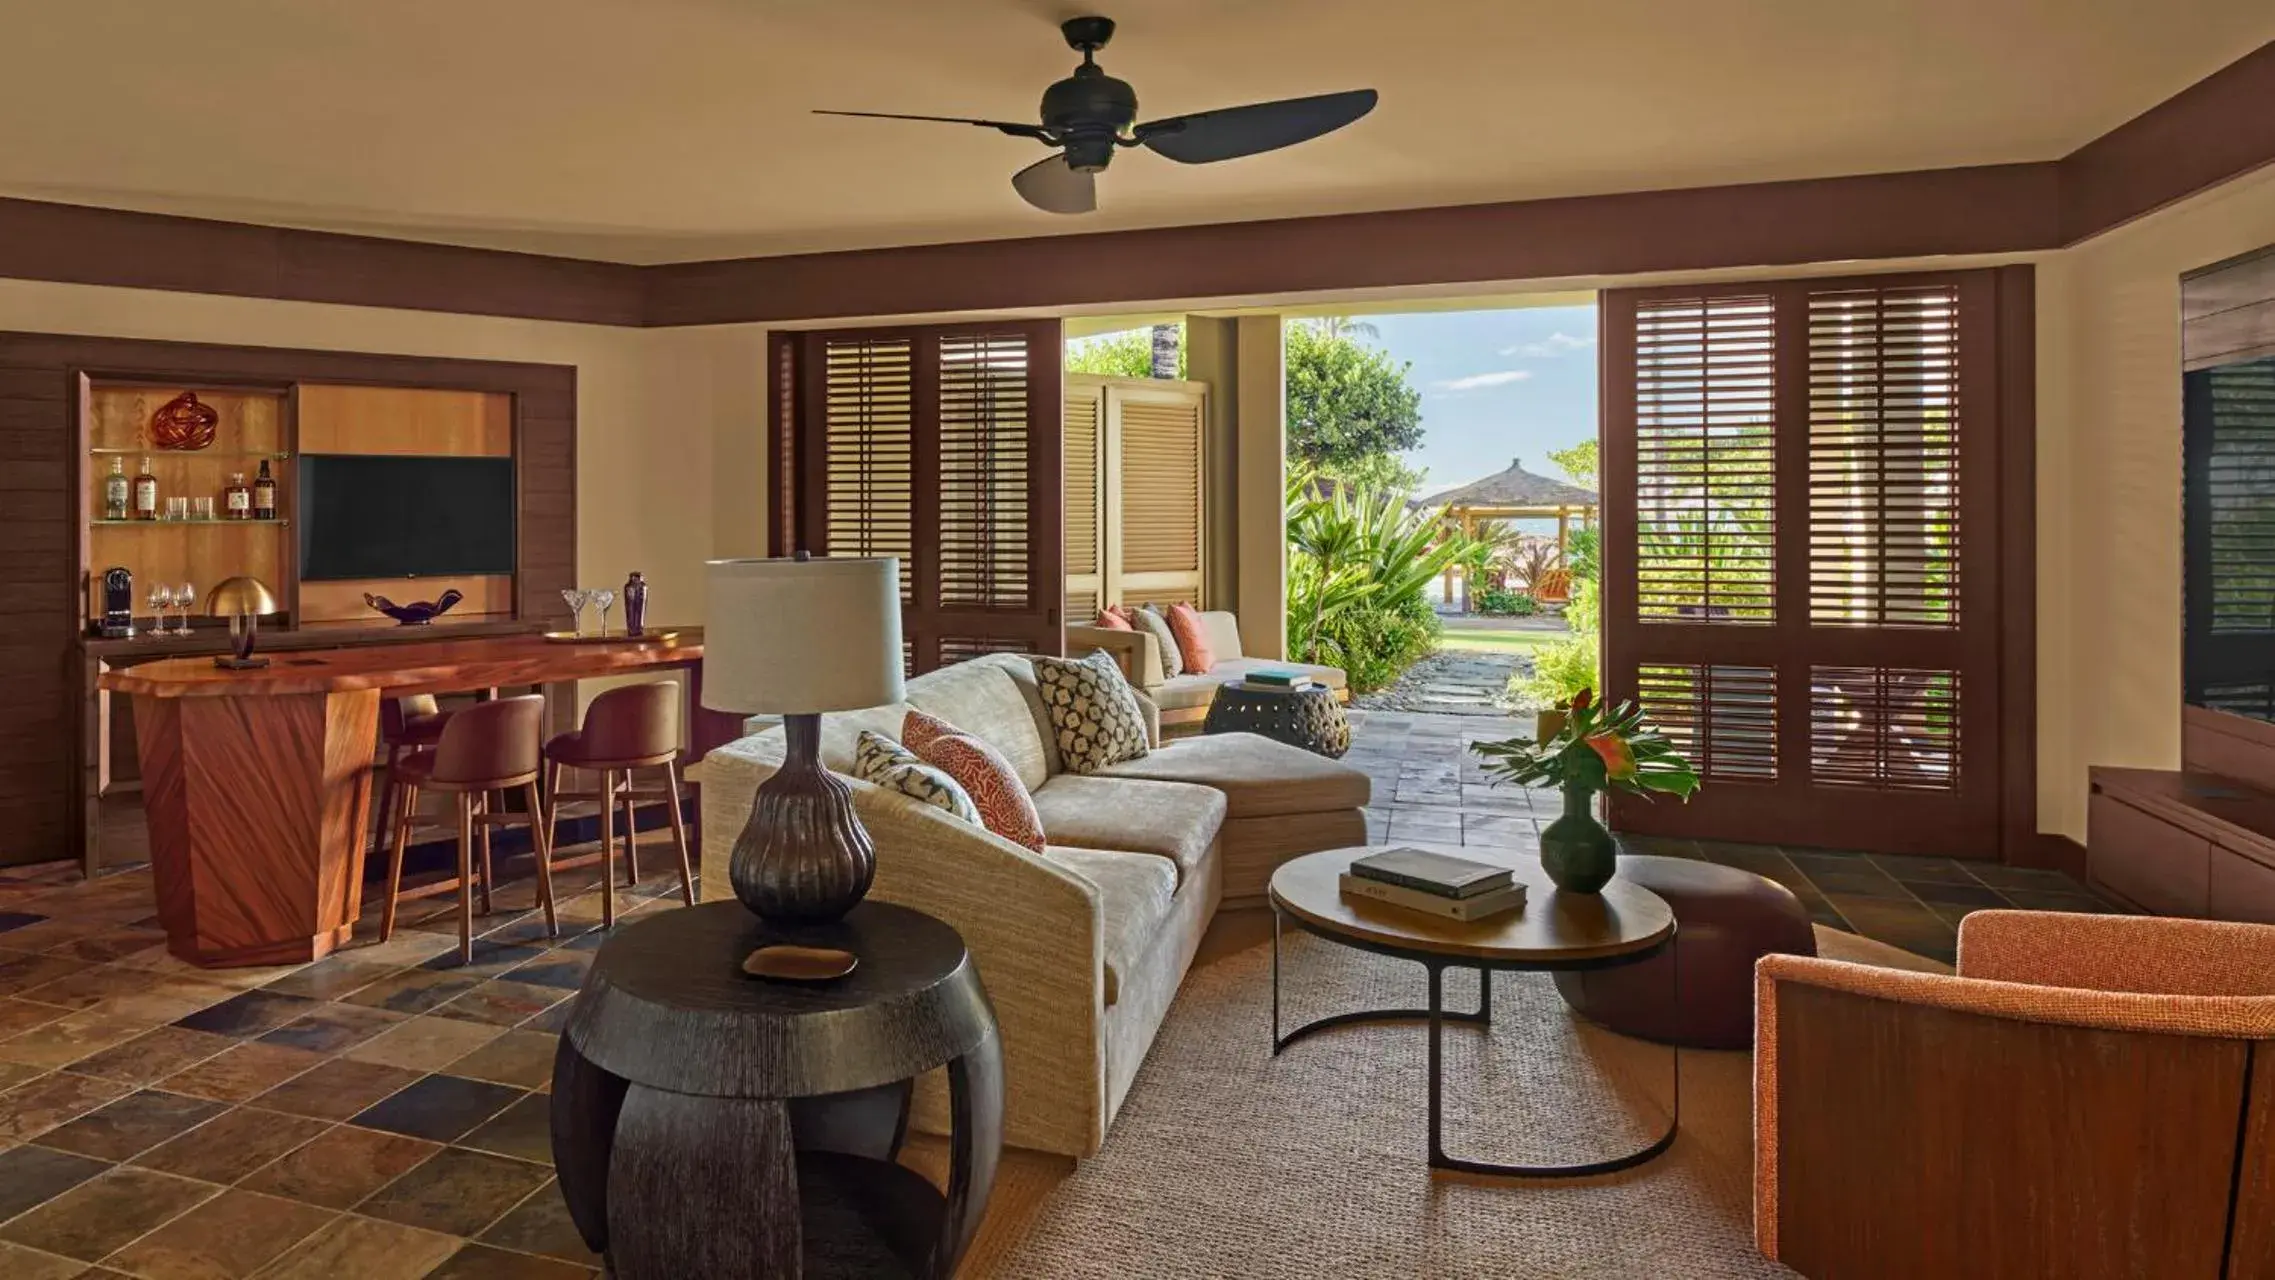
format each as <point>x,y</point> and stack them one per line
<point>1227,134</point>
<point>1054,186</point>
<point>1016,130</point>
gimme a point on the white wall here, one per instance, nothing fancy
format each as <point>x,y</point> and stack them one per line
<point>670,422</point>
<point>2109,476</point>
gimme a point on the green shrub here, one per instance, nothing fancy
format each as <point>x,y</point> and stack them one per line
<point>1500,602</point>
<point>1375,642</point>
<point>1561,670</point>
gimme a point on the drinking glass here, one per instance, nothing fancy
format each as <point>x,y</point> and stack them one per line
<point>576,598</point>
<point>177,508</point>
<point>184,597</point>
<point>604,597</point>
<point>161,599</point>
<point>201,508</point>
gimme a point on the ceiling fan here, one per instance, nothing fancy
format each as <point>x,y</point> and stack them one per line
<point>1089,114</point>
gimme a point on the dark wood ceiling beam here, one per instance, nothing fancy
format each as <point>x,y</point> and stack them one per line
<point>2220,128</point>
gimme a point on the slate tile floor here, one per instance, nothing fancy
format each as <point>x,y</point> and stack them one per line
<point>1427,787</point>
<point>382,1113</point>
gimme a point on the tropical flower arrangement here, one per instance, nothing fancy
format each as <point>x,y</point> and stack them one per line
<point>1583,749</point>
<point>1578,743</point>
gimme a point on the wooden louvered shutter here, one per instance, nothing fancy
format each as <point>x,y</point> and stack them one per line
<point>939,445</point>
<point>1154,441</point>
<point>1085,420</point>
<point>1801,555</point>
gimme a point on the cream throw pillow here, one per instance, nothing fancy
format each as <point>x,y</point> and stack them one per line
<point>1094,712</point>
<point>1165,638</point>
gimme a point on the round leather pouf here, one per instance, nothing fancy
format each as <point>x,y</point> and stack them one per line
<point>1725,919</point>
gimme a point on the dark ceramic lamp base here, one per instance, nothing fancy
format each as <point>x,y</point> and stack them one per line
<point>803,858</point>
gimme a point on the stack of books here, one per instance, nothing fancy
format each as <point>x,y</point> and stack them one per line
<point>1436,883</point>
<point>1277,680</point>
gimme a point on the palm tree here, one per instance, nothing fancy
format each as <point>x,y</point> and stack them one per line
<point>1167,338</point>
<point>1345,327</point>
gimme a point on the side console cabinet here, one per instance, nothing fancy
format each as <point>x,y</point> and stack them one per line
<point>2181,843</point>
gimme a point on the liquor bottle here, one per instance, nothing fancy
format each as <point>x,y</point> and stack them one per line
<point>264,494</point>
<point>635,604</point>
<point>237,499</point>
<point>145,492</point>
<point>117,493</point>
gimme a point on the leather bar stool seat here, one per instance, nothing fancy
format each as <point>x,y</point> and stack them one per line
<point>487,749</point>
<point>1725,919</point>
<point>405,724</point>
<point>628,728</point>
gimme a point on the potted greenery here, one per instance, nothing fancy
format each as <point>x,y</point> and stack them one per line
<point>1583,750</point>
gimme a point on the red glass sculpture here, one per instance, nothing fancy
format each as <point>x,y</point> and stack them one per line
<point>183,423</point>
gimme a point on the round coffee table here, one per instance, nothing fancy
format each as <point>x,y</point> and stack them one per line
<point>1553,933</point>
<point>708,1123</point>
<point>1310,718</point>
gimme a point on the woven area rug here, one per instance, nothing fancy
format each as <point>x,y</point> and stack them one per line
<point>1227,1161</point>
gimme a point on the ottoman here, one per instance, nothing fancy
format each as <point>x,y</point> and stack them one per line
<point>1725,919</point>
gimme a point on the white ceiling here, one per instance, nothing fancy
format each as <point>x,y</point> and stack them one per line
<point>660,130</point>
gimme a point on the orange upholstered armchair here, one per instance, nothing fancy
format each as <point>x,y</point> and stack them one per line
<point>2089,1096</point>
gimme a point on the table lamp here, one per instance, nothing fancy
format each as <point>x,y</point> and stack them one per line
<point>796,638</point>
<point>242,600</point>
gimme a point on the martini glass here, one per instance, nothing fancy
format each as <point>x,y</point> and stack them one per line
<point>577,598</point>
<point>605,598</point>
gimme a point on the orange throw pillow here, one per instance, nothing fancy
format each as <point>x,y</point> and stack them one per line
<point>1005,807</point>
<point>918,729</point>
<point>1192,640</point>
<point>1112,620</point>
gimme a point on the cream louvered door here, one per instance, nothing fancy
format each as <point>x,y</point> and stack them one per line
<point>939,445</point>
<point>1801,556</point>
<point>1135,525</point>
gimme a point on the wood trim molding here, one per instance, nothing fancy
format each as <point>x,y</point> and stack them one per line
<point>1993,209</point>
<point>2215,130</point>
<point>2219,128</point>
<point>75,244</point>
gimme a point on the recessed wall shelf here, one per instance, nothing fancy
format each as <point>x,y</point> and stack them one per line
<point>160,524</point>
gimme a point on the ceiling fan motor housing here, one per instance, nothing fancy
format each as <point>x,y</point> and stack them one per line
<point>1090,110</point>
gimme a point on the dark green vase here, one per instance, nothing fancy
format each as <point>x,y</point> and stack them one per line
<point>1575,850</point>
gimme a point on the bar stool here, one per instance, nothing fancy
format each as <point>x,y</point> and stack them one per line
<point>405,724</point>
<point>634,726</point>
<point>489,747</point>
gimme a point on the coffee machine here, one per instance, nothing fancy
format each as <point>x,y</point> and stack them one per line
<point>117,604</point>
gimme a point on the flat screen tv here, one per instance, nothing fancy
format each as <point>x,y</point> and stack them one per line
<point>2228,449</point>
<point>374,516</point>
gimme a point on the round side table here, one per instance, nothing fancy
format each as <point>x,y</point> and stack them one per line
<point>708,1123</point>
<point>1308,718</point>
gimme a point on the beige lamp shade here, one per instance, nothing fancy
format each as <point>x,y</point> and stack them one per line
<point>239,597</point>
<point>794,637</point>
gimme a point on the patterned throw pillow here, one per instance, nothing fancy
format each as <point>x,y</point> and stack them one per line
<point>1172,664</point>
<point>1192,639</point>
<point>1005,808</point>
<point>879,759</point>
<point>918,729</point>
<point>1094,713</point>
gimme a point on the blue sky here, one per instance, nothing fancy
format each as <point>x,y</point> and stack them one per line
<point>1496,385</point>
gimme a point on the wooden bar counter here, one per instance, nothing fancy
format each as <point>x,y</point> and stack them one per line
<point>257,784</point>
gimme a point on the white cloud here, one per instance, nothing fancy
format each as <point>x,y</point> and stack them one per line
<point>1476,381</point>
<point>1554,345</point>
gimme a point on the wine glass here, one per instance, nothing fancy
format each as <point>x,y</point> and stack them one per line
<point>576,598</point>
<point>604,597</point>
<point>184,597</point>
<point>161,599</point>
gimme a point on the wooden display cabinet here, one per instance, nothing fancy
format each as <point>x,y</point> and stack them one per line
<point>256,424</point>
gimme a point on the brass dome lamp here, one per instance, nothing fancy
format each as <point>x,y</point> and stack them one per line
<point>242,600</point>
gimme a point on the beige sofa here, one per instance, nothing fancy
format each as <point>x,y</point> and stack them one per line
<point>1184,699</point>
<point>1081,946</point>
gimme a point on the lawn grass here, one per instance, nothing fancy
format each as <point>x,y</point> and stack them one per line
<point>1500,641</point>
